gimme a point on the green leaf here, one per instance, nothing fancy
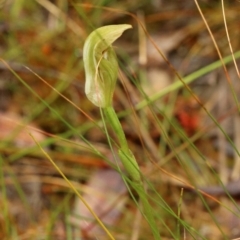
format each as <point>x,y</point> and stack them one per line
<point>100,63</point>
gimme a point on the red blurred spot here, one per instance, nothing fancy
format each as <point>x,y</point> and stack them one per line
<point>187,112</point>
<point>46,49</point>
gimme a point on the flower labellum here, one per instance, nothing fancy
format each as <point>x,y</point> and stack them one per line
<point>100,63</point>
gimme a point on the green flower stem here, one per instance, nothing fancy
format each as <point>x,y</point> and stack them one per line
<point>117,127</point>
<point>131,166</point>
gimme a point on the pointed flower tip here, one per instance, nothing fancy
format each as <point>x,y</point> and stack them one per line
<point>100,63</point>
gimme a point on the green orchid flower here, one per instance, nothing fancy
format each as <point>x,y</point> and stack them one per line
<point>100,62</point>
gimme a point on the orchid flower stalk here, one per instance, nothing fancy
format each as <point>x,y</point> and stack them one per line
<point>101,69</point>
